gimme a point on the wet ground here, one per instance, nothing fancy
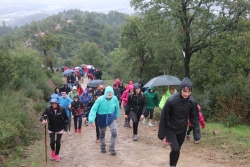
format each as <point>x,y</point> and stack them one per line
<point>81,150</point>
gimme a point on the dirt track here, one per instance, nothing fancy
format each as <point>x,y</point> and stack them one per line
<point>80,150</point>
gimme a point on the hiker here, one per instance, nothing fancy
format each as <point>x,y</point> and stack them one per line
<point>86,98</point>
<point>122,89</point>
<point>71,80</point>
<point>57,120</point>
<point>86,114</point>
<point>124,99</point>
<point>140,83</point>
<point>79,88</point>
<point>90,77</point>
<point>107,109</point>
<point>73,92</point>
<point>58,92</point>
<point>129,83</point>
<point>190,127</point>
<point>101,88</point>
<point>152,102</point>
<point>82,72</point>
<point>65,88</point>
<point>77,108</point>
<point>170,91</point>
<point>136,108</point>
<point>65,102</point>
<point>98,74</point>
<point>117,93</point>
<point>174,119</point>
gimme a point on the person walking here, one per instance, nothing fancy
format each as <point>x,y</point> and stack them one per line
<point>107,110</point>
<point>174,119</point>
<point>77,108</point>
<point>65,88</point>
<point>124,99</point>
<point>117,93</point>
<point>152,102</point>
<point>56,117</point>
<point>65,102</point>
<point>190,127</point>
<point>122,89</point>
<point>169,92</point>
<point>136,108</point>
<point>97,94</point>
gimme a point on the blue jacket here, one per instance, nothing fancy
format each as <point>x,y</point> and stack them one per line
<point>107,110</point>
<point>87,99</point>
<point>65,103</point>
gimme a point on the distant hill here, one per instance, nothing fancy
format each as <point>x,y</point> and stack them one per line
<point>28,19</point>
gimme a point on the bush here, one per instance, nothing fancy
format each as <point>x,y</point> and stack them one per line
<point>58,79</point>
<point>48,73</point>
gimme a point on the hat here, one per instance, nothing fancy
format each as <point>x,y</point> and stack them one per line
<point>74,87</point>
<point>76,96</point>
<point>54,100</point>
<point>131,87</point>
<point>136,86</point>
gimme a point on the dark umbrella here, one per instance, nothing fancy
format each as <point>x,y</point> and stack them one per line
<point>163,80</point>
<point>68,72</point>
<point>95,83</point>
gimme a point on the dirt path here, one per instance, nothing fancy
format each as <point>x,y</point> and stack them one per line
<point>80,150</point>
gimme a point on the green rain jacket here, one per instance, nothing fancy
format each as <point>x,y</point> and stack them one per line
<point>164,98</point>
<point>152,98</point>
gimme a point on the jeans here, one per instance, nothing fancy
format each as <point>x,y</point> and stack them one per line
<point>113,129</point>
<point>79,118</point>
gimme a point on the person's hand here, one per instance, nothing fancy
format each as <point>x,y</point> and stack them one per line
<point>84,119</point>
<point>142,117</point>
<point>64,132</point>
<point>93,124</point>
<point>44,121</point>
<point>126,116</point>
<point>196,142</point>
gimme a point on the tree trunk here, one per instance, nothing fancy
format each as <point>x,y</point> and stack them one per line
<point>186,64</point>
<point>49,62</point>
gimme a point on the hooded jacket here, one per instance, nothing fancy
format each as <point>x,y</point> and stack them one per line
<point>65,103</point>
<point>57,121</point>
<point>129,83</point>
<point>107,110</point>
<point>72,94</point>
<point>164,98</point>
<point>152,98</point>
<point>77,108</point>
<point>174,116</point>
<point>136,103</point>
<point>140,82</point>
<point>85,98</point>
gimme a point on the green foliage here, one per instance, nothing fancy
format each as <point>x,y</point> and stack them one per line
<point>48,73</point>
<point>40,106</point>
<point>58,79</point>
<point>232,120</point>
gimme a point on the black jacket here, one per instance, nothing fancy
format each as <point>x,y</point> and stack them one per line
<point>136,103</point>
<point>98,74</point>
<point>175,115</point>
<point>65,88</point>
<point>56,121</point>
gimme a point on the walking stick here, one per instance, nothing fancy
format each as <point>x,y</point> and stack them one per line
<point>45,144</point>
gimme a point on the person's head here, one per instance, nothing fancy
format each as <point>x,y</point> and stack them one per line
<point>137,88</point>
<point>65,85</point>
<point>185,88</point>
<point>151,89</point>
<point>109,92</point>
<point>131,88</point>
<point>54,101</point>
<point>57,90</point>
<point>72,73</point>
<point>97,94</point>
<point>100,88</point>
<point>64,95</point>
<point>74,89</point>
<point>114,85</point>
<point>172,89</point>
<point>76,98</point>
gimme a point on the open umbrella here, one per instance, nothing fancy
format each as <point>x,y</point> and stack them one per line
<point>163,80</point>
<point>83,65</point>
<point>68,72</point>
<point>95,83</point>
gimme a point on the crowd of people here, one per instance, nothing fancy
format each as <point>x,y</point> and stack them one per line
<point>100,106</point>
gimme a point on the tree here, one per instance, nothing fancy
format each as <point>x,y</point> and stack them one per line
<point>90,54</point>
<point>197,21</point>
<point>45,42</point>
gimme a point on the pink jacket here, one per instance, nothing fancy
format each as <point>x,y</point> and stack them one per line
<point>124,97</point>
<point>202,121</point>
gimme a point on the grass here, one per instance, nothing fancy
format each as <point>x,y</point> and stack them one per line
<point>235,140</point>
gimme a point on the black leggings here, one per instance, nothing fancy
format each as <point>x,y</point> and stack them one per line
<point>56,142</point>
<point>151,113</point>
<point>176,141</point>
<point>135,118</point>
<point>190,128</point>
<point>97,129</point>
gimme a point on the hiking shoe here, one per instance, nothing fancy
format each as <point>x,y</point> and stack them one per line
<point>75,131</point>
<point>97,140</point>
<point>149,124</point>
<point>144,121</point>
<point>103,150</point>
<point>188,137</point>
<point>113,152</point>
<point>135,137</point>
<point>79,130</point>
<point>52,155</point>
<point>57,158</point>
<point>166,142</point>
